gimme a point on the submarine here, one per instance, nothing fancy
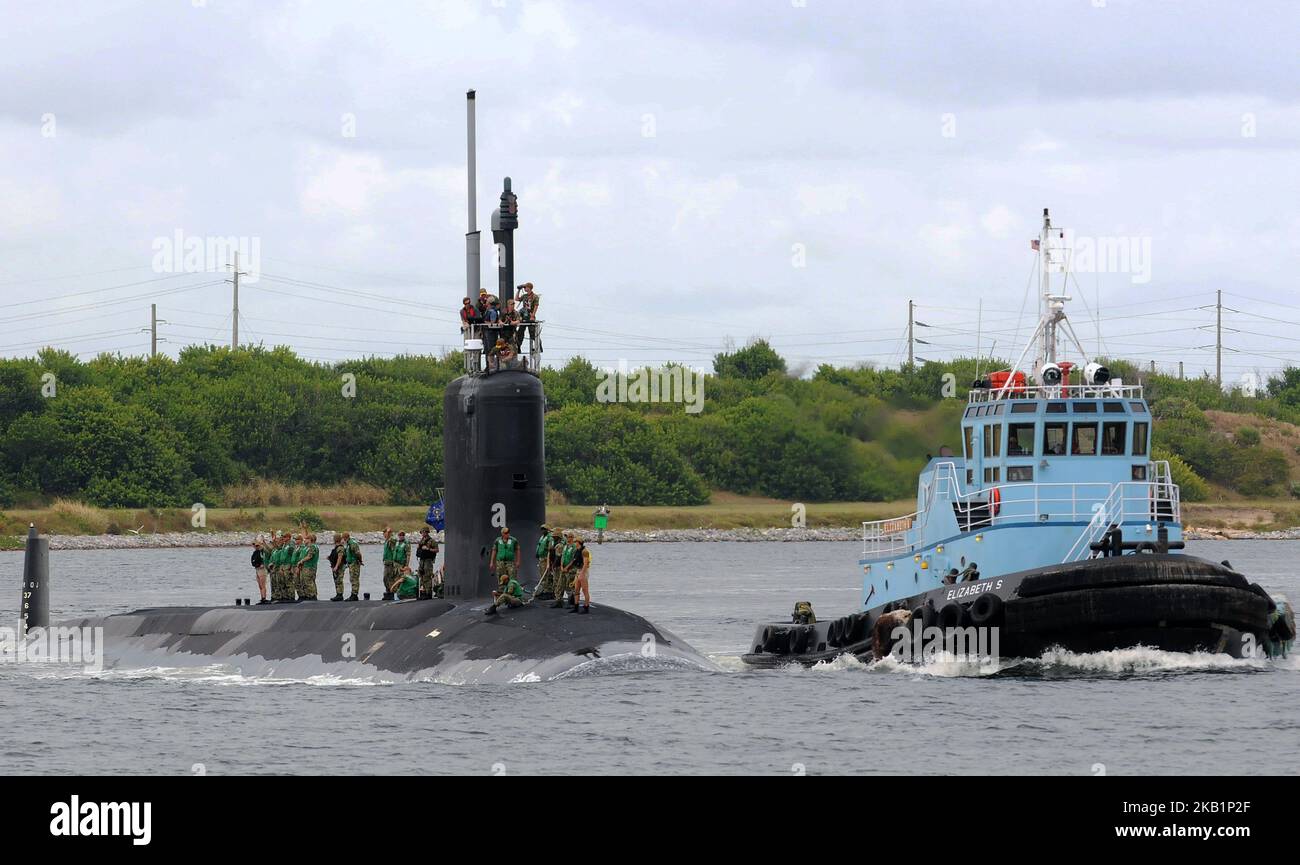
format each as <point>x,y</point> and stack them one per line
<point>495,475</point>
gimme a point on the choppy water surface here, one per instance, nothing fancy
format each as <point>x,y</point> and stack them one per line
<point>1136,711</point>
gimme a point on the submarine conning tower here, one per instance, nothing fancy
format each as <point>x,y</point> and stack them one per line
<point>494,455</point>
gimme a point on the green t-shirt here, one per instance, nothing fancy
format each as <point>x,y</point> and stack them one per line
<point>566,557</point>
<point>309,556</point>
<point>513,588</point>
<point>277,556</point>
<point>401,552</point>
<point>506,549</point>
<point>352,552</point>
<point>544,546</point>
<point>390,549</point>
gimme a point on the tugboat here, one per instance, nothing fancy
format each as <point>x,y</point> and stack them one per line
<point>1053,527</point>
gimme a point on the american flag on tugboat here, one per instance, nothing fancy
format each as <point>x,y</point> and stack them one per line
<point>1033,244</point>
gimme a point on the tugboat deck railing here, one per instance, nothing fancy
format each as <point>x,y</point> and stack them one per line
<point>1060,391</point>
<point>1026,504</point>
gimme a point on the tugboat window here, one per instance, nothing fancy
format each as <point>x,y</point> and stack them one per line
<point>1020,474</point>
<point>1138,408</point>
<point>1084,442</point>
<point>993,440</point>
<point>970,447</point>
<point>1113,436</point>
<point>1085,408</point>
<point>1139,439</point>
<point>1020,440</point>
<point>997,409</point>
<point>1055,408</point>
<point>1113,407</point>
<point>1054,438</point>
<point>1024,408</point>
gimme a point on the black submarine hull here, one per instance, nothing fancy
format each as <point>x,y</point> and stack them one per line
<point>436,640</point>
<point>1172,602</point>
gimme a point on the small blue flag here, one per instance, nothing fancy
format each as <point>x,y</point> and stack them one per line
<point>437,516</point>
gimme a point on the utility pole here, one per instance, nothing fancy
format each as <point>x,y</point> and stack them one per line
<point>1218,338</point>
<point>154,321</point>
<point>234,311</point>
<point>1180,370</point>
<point>911,333</point>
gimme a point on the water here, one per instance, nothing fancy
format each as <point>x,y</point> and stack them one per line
<point>1130,712</point>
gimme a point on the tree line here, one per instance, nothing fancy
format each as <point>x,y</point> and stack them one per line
<point>137,432</point>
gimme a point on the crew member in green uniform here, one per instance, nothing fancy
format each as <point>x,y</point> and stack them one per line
<point>546,582</point>
<point>352,558</point>
<point>390,548</point>
<point>277,569</point>
<point>504,558</point>
<point>568,568</point>
<point>308,559</point>
<point>291,567</point>
<point>426,553</point>
<point>401,560</point>
<point>511,594</point>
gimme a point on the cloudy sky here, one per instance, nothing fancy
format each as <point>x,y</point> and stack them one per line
<point>691,173</point>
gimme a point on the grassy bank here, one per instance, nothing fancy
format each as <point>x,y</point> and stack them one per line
<point>724,512</point>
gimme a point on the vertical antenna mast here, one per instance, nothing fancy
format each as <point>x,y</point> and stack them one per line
<point>472,271</point>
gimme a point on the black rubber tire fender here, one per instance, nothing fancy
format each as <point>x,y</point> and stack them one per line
<point>1147,570</point>
<point>1137,606</point>
<point>986,611</point>
<point>951,616</point>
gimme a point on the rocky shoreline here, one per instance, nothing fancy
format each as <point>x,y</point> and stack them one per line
<point>180,540</point>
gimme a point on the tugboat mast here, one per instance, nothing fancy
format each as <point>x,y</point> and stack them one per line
<point>1051,305</point>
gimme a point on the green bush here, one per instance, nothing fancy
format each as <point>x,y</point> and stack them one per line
<point>1192,487</point>
<point>307,517</point>
<point>1247,436</point>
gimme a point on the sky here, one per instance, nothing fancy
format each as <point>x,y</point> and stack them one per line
<point>691,175</point>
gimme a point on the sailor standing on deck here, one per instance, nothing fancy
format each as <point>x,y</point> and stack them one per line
<point>336,566</point>
<point>581,585</point>
<point>291,567</point>
<point>545,582</point>
<point>564,583</point>
<point>308,560</point>
<point>273,564</point>
<point>390,549</point>
<point>401,561</point>
<point>426,553</point>
<point>352,559</point>
<point>504,557</point>
<point>259,566</point>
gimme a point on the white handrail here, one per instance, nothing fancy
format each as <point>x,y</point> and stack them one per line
<point>1124,501</point>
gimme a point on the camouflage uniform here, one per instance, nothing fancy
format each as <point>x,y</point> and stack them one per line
<point>507,553</point>
<point>339,565</point>
<point>546,581</point>
<point>569,564</point>
<point>390,567</point>
<point>308,560</point>
<point>352,557</point>
<point>277,578</point>
<point>426,565</point>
